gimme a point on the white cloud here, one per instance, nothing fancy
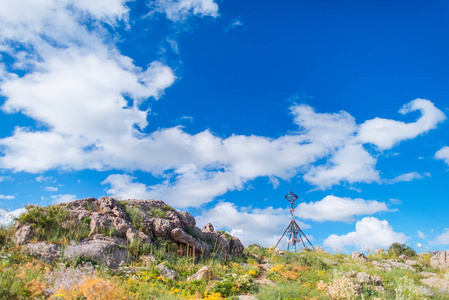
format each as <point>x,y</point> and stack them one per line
<point>5,178</point>
<point>179,10</point>
<point>352,163</point>
<point>421,234</point>
<point>405,177</point>
<point>385,133</point>
<point>370,233</point>
<point>250,225</point>
<point>234,24</point>
<point>7,217</point>
<point>48,179</point>
<point>332,208</point>
<point>51,188</point>
<point>63,198</point>
<point>443,154</point>
<point>442,239</point>
<point>7,197</point>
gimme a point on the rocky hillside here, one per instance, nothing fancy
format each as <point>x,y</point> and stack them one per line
<point>111,232</point>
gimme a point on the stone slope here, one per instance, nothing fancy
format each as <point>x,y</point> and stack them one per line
<point>116,225</point>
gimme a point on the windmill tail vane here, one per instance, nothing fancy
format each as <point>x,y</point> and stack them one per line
<point>293,232</point>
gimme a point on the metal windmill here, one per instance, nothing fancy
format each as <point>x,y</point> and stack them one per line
<point>294,232</point>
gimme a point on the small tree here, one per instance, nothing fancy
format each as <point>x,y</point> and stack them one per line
<point>400,249</point>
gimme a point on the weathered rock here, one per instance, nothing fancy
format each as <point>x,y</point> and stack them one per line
<point>440,260</point>
<point>382,266</point>
<point>329,261</point>
<point>23,234</point>
<point>395,264</point>
<point>351,274</point>
<point>106,251</point>
<point>437,283</point>
<point>358,256</point>
<point>427,274</point>
<point>152,219</point>
<point>411,262</point>
<point>320,250</point>
<point>166,272</point>
<point>379,252</point>
<point>404,257</point>
<point>363,278</point>
<point>236,247</point>
<point>148,259</point>
<point>43,251</point>
<point>203,273</point>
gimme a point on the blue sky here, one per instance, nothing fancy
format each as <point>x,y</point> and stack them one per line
<point>220,108</point>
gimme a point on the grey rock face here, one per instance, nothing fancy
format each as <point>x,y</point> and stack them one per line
<point>379,251</point>
<point>358,256</point>
<point>166,272</point>
<point>440,260</point>
<point>203,273</point>
<point>23,234</point>
<point>43,251</point>
<point>435,282</point>
<point>111,252</point>
<point>395,264</point>
<point>382,266</point>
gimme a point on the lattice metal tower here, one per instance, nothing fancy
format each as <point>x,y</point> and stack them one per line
<point>294,232</point>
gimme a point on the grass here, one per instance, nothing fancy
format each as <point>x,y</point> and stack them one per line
<point>54,224</point>
<point>303,275</point>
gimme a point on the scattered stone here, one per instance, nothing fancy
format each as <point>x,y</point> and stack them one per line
<point>363,278</point>
<point>379,252</point>
<point>166,272</point>
<point>440,260</point>
<point>358,256</point>
<point>411,262</point>
<point>382,266</point>
<point>427,274</point>
<point>351,274</point>
<point>246,297</point>
<point>43,251</point>
<point>148,259</point>
<point>110,252</point>
<point>437,283</point>
<point>329,261</point>
<point>320,250</point>
<point>262,280</point>
<point>395,264</point>
<point>203,273</point>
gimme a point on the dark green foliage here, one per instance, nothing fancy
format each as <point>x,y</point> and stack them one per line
<point>111,231</point>
<point>5,235</point>
<point>54,224</point>
<point>400,249</point>
<point>138,248</point>
<point>167,208</point>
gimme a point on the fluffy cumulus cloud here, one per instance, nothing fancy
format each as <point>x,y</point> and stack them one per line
<point>6,197</point>
<point>333,208</point>
<point>385,133</point>
<point>443,239</point>
<point>370,233</point>
<point>63,198</point>
<point>443,154</point>
<point>7,217</point>
<point>250,225</point>
<point>179,10</point>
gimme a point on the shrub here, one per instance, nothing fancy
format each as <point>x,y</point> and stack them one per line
<point>54,224</point>
<point>156,212</point>
<point>401,249</point>
<point>136,216</point>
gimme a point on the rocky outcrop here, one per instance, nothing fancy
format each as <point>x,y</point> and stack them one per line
<point>358,256</point>
<point>203,273</point>
<point>111,252</point>
<point>166,272</point>
<point>440,260</point>
<point>115,225</point>
<point>440,284</point>
<point>43,251</point>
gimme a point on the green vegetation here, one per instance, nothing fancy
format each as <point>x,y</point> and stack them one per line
<point>54,224</point>
<point>401,249</point>
<point>135,215</point>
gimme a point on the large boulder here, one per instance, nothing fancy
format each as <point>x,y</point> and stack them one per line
<point>43,251</point>
<point>111,252</point>
<point>440,260</point>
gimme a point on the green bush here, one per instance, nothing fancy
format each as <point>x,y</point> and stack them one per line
<point>136,216</point>
<point>401,249</point>
<point>54,224</point>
